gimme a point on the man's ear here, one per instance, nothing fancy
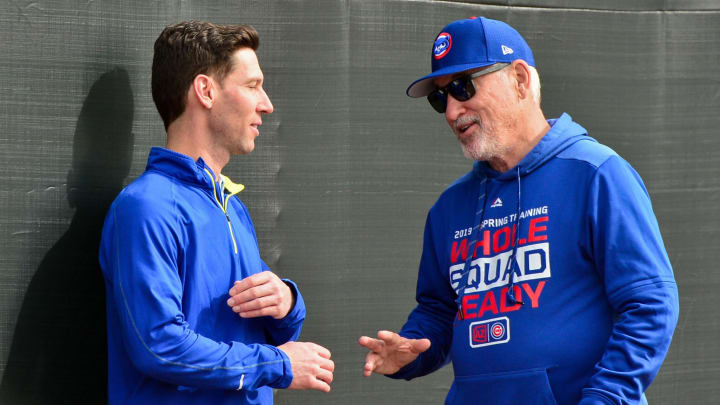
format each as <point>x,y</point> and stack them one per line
<point>203,90</point>
<point>521,73</point>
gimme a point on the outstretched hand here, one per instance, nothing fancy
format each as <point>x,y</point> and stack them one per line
<point>311,366</point>
<point>390,352</point>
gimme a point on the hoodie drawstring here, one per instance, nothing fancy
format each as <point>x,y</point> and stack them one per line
<point>478,218</point>
<point>511,264</point>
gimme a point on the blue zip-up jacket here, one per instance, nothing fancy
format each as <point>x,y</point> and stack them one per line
<point>599,300</point>
<point>171,248</point>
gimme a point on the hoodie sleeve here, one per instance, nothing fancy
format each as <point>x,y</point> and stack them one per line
<point>288,328</point>
<point>638,279</point>
<point>434,314</point>
<point>139,257</point>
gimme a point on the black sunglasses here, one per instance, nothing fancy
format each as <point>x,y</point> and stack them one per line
<point>461,89</point>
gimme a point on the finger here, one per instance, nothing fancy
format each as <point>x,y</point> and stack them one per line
<point>244,284</point>
<point>319,385</point>
<point>323,352</point>
<point>266,311</point>
<point>257,303</point>
<point>328,365</point>
<point>372,361</point>
<point>251,281</point>
<point>325,375</point>
<point>374,345</point>
<point>250,294</point>
<point>247,285</point>
<point>368,369</point>
<point>420,345</point>
<point>367,372</point>
<point>390,338</point>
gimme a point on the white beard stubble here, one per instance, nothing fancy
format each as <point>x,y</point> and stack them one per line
<point>481,144</point>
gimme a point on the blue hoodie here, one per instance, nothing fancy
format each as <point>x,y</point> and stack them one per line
<point>172,246</point>
<point>595,297</point>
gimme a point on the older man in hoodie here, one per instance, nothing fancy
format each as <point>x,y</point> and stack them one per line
<point>543,277</point>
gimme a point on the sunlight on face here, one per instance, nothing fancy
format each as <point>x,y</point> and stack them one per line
<point>241,102</point>
<point>484,124</point>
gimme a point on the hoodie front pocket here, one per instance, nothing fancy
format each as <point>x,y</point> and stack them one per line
<point>526,387</point>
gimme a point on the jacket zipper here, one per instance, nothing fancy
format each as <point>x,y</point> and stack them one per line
<point>224,210</point>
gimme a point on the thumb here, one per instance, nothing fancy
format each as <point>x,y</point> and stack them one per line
<point>420,345</point>
<point>390,338</point>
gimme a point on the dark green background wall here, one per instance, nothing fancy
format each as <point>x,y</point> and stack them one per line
<point>345,169</point>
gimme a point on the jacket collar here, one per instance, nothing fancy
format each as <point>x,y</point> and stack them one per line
<point>185,169</point>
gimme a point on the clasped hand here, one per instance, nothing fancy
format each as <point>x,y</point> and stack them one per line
<point>262,294</point>
<point>265,294</point>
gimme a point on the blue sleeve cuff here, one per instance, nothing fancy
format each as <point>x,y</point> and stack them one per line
<point>294,318</point>
<point>287,376</point>
<point>297,313</point>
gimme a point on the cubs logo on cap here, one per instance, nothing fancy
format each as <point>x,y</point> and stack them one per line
<point>442,46</point>
<point>475,42</point>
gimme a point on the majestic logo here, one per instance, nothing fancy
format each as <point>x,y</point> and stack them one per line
<point>496,203</point>
<point>490,332</point>
<point>506,50</point>
<point>442,45</point>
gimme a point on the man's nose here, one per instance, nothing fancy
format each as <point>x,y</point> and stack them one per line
<point>265,106</point>
<point>454,109</point>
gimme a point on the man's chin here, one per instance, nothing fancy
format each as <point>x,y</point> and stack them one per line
<point>481,155</point>
<point>469,155</point>
<point>244,149</point>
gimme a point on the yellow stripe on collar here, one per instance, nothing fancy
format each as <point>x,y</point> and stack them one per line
<point>233,188</point>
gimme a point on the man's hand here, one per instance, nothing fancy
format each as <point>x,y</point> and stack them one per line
<point>390,352</point>
<point>311,366</point>
<point>262,294</point>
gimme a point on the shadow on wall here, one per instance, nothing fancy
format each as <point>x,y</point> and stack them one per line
<point>58,353</point>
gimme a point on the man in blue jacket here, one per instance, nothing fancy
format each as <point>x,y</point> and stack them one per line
<point>194,314</point>
<point>543,277</point>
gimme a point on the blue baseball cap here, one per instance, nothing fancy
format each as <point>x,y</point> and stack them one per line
<point>470,44</point>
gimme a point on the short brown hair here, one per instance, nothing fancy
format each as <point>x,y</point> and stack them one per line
<point>190,48</point>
